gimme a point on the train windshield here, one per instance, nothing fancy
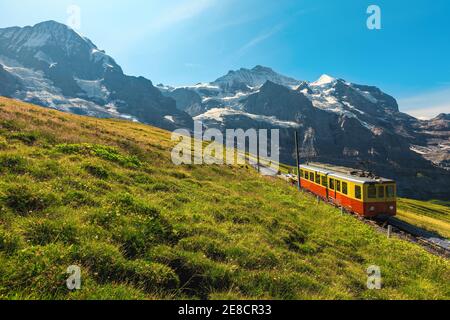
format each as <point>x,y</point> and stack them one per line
<point>372,192</point>
<point>381,192</point>
<point>390,191</point>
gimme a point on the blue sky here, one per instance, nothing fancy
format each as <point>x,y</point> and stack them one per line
<point>181,42</point>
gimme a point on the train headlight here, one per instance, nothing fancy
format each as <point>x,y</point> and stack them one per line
<point>391,208</point>
<point>372,208</point>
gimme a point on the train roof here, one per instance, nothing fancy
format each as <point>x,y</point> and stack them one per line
<point>346,176</point>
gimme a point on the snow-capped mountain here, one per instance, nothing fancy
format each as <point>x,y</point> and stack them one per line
<point>340,122</point>
<point>253,78</point>
<point>226,91</point>
<point>50,64</point>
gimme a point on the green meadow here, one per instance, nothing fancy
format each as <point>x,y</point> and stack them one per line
<point>104,195</point>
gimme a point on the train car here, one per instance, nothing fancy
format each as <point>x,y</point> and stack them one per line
<point>365,196</point>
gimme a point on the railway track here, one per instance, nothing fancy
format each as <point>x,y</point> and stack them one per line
<point>431,242</point>
<point>428,240</point>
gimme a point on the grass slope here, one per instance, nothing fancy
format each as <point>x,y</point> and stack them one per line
<point>104,195</point>
<point>433,216</point>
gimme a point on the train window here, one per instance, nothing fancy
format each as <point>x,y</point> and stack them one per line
<point>390,191</point>
<point>381,192</point>
<point>317,178</point>
<point>358,192</point>
<point>311,176</point>
<point>338,186</point>
<point>332,184</point>
<point>324,181</point>
<point>344,188</point>
<point>372,192</point>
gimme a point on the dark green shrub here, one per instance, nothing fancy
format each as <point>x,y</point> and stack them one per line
<point>198,275</point>
<point>3,143</point>
<point>46,232</point>
<point>12,164</point>
<point>37,272</point>
<point>178,174</point>
<point>9,243</point>
<point>10,125</point>
<point>132,147</point>
<point>101,151</point>
<point>142,178</point>
<point>144,226</point>
<point>253,259</point>
<point>160,187</point>
<point>46,170</point>
<point>105,218</point>
<point>286,286</point>
<point>104,260</point>
<point>151,276</point>
<point>24,200</point>
<point>108,265</point>
<point>132,240</point>
<point>78,199</point>
<point>295,239</point>
<point>29,138</point>
<point>97,171</point>
<point>164,187</point>
<point>136,237</point>
<point>213,249</point>
<point>128,204</point>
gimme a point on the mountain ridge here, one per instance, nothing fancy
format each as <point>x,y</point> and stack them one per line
<point>74,75</point>
<point>340,122</point>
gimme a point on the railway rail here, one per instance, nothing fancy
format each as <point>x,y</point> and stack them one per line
<point>428,240</point>
<point>433,243</point>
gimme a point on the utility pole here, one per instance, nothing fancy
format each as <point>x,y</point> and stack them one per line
<point>257,154</point>
<point>298,161</point>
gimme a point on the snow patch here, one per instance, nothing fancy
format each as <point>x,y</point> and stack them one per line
<point>367,95</point>
<point>43,57</point>
<point>36,39</point>
<point>207,86</point>
<point>42,91</point>
<point>419,150</point>
<point>169,118</point>
<point>219,115</point>
<point>256,77</point>
<point>323,80</point>
<point>93,88</point>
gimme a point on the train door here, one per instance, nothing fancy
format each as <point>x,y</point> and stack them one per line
<point>332,189</point>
